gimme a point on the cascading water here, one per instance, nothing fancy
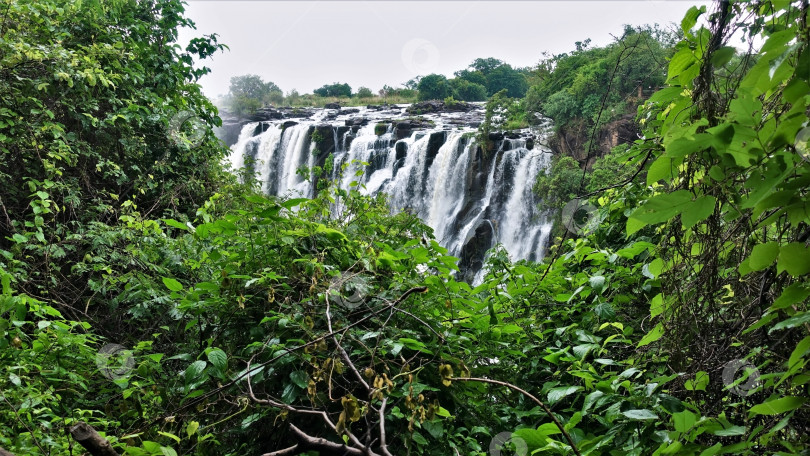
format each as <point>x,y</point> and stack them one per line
<point>471,200</point>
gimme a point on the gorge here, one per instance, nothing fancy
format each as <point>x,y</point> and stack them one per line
<point>425,157</point>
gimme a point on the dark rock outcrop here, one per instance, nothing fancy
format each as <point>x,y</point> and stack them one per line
<point>571,139</point>
<point>474,251</point>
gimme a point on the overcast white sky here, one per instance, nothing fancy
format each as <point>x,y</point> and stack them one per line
<point>304,45</point>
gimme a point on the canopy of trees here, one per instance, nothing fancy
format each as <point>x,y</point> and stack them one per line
<point>496,75</point>
<point>434,87</point>
<point>249,92</point>
<point>592,83</point>
<point>334,90</point>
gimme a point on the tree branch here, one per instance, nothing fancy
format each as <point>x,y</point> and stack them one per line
<point>536,401</point>
<point>383,442</point>
<point>91,440</point>
<point>324,447</point>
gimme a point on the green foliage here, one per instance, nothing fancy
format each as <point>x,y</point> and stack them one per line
<point>334,90</point>
<point>561,106</point>
<point>364,92</point>
<point>472,76</point>
<point>501,113</point>
<point>727,198</point>
<point>98,118</point>
<point>495,75</point>
<point>246,315</point>
<point>611,169</point>
<point>595,83</point>
<point>434,87</point>
<point>249,92</point>
<point>561,183</point>
<point>468,91</point>
<point>504,77</point>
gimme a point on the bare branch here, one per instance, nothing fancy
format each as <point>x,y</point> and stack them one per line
<point>343,354</point>
<point>383,442</point>
<point>322,446</point>
<point>286,352</point>
<point>91,440</point>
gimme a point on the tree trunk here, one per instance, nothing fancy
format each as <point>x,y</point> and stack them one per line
<point>91,440</point>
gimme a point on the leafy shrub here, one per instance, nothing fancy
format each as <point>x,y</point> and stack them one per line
<point>364,92</point>
<point>434,87</point>
<point>468,91</point>
<point>334,90</point>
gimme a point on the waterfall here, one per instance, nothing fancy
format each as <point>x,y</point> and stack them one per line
<point>471,199</point>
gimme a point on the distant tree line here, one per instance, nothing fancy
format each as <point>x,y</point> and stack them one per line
<point>580,87</point>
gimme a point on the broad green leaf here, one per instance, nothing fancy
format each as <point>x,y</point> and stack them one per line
<point>723,55</point>
<point>684,420</point>
<point>712,450</point>
<point>682,60</point>
<point>172,284</point>
<point>534,439</point>
<point>591,399</point>
<point>250,419</point>
<point>640,414</point>
<point>652,336</point>
<point>417,437</point>
<point>291,203</point>
<point>434,428</point>
<point>776,40</point>
<point>556,394</point>
<point>763,255</point>
<point>170,435</point>
<point>300,378</point>
<point>655,267</point>
<point>219,359</point>
<point>661,208</point>
<point>192,427</point>
<point>791,295</point>
<point>634,225</point>
<point>794,258</point>
<point>797,320</point>
<point>700,382</point>
<point>690,18</point>
<point>597,282</point>
<point>656,305</point>
<point>194,370</point>
<point>175,224</point>
<point>685,146</point>
<point>702,208</point>
<point>731,431</point>
<point>777,406</point>
<point>664,167</point>
<point>799,352</point>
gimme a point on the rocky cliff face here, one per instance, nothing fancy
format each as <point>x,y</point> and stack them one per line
<point>573,139</point>
<point>424,157</point>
